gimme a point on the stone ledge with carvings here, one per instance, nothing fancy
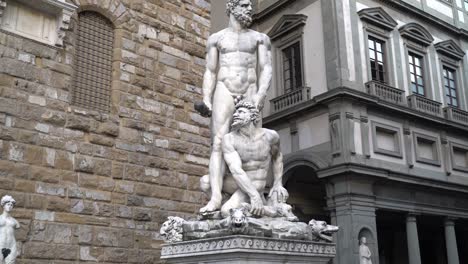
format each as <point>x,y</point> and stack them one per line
<point>246,244</point>
<point>240,222</point>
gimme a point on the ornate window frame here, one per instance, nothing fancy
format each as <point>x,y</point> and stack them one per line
<point>63,11</point>
<point>451,56</point>
<point>378,24</point>
<point>287,31</point>
<point>417,40</point>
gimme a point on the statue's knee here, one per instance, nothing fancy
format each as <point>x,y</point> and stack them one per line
<point>217,143</point>
<point>205,183</point>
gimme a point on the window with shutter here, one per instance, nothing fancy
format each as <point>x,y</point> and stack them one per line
<point>93,62</point>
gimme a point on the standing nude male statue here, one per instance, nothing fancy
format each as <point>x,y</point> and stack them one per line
<point>242,59</point>
<point>249,151</point>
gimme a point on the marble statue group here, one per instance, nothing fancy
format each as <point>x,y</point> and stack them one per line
<point>7,231</point>
<point>237,77</point>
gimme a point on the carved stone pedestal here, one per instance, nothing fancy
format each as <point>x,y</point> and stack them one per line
<point>247,250</point>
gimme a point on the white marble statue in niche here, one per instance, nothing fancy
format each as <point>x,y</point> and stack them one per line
<point>364,252</point>
<point>7,231</point>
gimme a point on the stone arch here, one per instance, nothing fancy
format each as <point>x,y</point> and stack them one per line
<point>312,160</point>
<point>307,193</point>
<point>113,10</point>
<point>366,232</point>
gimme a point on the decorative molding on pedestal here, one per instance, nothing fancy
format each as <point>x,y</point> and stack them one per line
<point>247,244</point>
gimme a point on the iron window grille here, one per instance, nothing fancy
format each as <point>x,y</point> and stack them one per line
<point>93,62</point>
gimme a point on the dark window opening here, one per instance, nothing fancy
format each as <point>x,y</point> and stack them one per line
<point>376,59</point>
<point>292,68</point>
<point>450,87</point>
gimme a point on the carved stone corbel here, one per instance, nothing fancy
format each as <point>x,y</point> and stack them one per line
<point>2,8</point>
<point>64,25</point>
<point>365,136</point>
<point>408,144</point>
<point>335,134</point>
<point>446,153</point>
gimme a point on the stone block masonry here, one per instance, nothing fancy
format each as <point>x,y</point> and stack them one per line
<point>93,186</point>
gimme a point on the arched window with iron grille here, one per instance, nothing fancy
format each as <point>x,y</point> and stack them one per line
<point>93,62</point>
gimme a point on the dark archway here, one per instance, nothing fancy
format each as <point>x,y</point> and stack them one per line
<point>307,193</point>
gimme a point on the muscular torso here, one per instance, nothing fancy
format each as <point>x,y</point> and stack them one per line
<point>255,154</point>
<point>238,60</point>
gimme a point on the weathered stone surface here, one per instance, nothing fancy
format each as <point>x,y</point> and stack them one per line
<point>76,172</point>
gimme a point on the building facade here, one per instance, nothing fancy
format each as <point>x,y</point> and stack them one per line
<point>370,100</point>
<point>99,141</point>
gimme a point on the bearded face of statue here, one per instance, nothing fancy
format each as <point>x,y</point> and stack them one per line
<point>243,12</point>
<point>241,118</point>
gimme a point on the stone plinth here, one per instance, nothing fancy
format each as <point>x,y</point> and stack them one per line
<point>245,249</point>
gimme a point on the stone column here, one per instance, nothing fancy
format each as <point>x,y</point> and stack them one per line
<point>414,255</point>
<point>451,242</point>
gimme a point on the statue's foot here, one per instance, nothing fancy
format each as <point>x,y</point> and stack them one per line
<point>211,207</point>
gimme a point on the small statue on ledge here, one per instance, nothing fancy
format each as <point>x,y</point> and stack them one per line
<point>7,231</point>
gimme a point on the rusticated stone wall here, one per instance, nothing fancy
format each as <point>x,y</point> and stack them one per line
<point>91,186</point>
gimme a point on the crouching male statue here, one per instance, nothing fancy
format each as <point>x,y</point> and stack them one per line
<point>249,151</point>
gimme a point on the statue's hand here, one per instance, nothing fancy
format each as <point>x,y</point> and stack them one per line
<point>257,205</point>
<point>204,108</point>
<point>258,101</point>
<point>280,192</point>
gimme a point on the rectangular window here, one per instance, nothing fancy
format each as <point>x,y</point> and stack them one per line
<point>466,5</point>
<point>292,68</point>
<point>416,73</point>
<point>450,87</point>
<point>376,59</point>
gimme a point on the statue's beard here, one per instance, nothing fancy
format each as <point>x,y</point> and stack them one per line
<point>239,123</point>
<point>244,19</point>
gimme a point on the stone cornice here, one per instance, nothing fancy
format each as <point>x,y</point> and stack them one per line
<point>426,16</point>
<point>361,169</point>
<point>247,244</point>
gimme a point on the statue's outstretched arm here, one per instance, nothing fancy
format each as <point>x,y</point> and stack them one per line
<point>265,70</point>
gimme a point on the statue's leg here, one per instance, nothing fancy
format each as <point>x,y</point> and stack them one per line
<point>223,108</point>
<point>235,201</point>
